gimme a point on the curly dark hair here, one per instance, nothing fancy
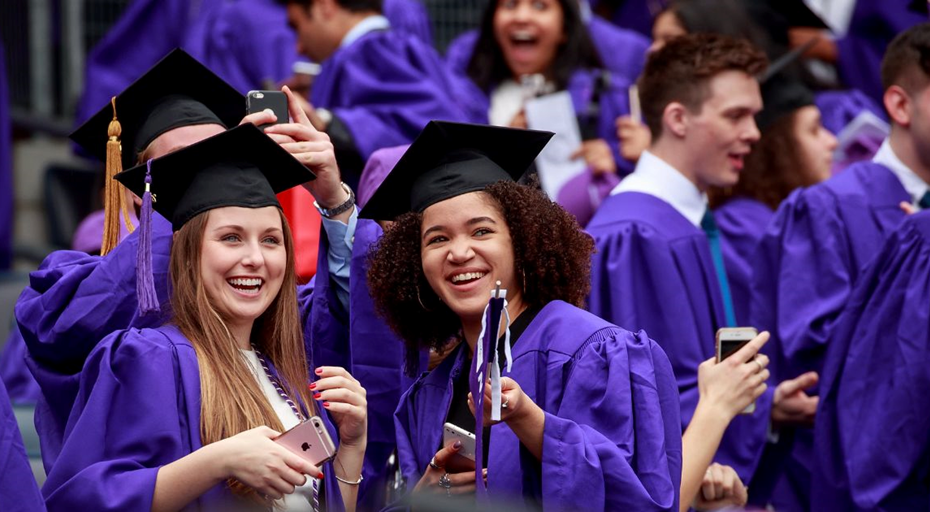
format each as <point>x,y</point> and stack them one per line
<point>487,67</point>
<point>773,169</point>
<point>550,251</point>
<point>682,69</point>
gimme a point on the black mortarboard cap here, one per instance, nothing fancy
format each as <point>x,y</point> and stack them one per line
<point>177,91</point>
<point>239,167</point>
<point>782,95</point>
<point>796,13</point>
<point>450,159</point>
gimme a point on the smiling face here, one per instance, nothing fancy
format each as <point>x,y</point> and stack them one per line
<point>243,262</point>
<point>465,249</point>
<point>529,33</point>
<point>721,134</point>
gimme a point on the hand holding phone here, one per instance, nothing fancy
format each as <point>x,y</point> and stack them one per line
<point>729,341</point>
<point>464,459</point>
<point>276,101</point>
<point>310,440</point>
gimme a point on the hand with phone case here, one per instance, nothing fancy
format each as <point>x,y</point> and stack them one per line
<point>731,381</point>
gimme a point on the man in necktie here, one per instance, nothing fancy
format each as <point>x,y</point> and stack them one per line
<point>658,264</point>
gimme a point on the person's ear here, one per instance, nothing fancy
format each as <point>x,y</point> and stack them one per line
<point>898,104</point>
<point>675,119</point>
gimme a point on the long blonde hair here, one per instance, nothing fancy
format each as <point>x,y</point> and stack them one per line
<point>231,399</point>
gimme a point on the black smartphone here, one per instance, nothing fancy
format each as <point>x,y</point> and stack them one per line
<point>257,101</point>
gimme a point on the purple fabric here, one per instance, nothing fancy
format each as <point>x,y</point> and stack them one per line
<point>409,17</point>
<point>18,489</point>
<point>385,87</point>
<point>127,378</point>
<point>839,108</point>
<point>377,168</point>
<point>653,271</point>
<point>874,24</point>
<point>584,193</point>
<point>638,15</point>
<point>805,267</point>
<point>611,439</point>
<point>144,33</point>
<point>6,171</point>
<point>20,384</point>
<point>622,52</point>
<point>872,451</point>
<point>741,221</point>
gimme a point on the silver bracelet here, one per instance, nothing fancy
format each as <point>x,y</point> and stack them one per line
<point>344,207</point>
<point>347,482</point>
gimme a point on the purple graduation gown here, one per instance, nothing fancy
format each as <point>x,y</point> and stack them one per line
<point>6,171</point>
<point>385,87</point>
<point>18,489</point>
<point>806,265</point>
<point>611,439</point>
<point>141,388</point>
<point>741,221</point>
<point>874,24</point>
<point>653,271</point>
<point>622,51</point>
<point>20,384</point>
<point>872,449</point>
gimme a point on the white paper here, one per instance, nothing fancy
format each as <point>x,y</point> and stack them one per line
<point>555,113</point>
<point>864,125</point>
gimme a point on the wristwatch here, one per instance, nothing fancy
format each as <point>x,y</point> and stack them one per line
<point>344,207</point>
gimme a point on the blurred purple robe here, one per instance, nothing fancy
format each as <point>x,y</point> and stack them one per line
<point>249,44</point>
<point>872,449</point>
<point>653,271</point>
<point>611,439</point>
<point>805,267</point>
<point>20,384</point>
<point>137,409</point>
<point>741,221</point>
<point>622,52</point>
<point>18,489</point>
<point>873,25</point>
<point>385,87</point>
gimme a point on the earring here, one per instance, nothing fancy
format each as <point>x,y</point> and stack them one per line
<point>421,301</point>
<point>523,273</point>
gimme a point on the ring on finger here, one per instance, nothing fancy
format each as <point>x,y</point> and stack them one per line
<point>755,360</point>
<point>506,403</point>
<point>432,464</point>
<point>446,483</point>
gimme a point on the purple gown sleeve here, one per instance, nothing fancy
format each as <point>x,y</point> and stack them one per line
<point>614,442</point>
<point>129,419</point>
<point>459,51</point>
<point>409,17</point>
<point>385,88</point>
<point>21,385</point>
<point>872,440</point>
<point>74,300</point>
<point>18,489</point>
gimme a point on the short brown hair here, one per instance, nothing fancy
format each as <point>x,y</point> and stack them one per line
<point>681,70</point>
<point>552,256</point>
<point>907,60</point>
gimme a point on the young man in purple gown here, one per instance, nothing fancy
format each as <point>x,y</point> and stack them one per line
<point>814,250</point>
<point>658,265</point>
<point>378,87</point>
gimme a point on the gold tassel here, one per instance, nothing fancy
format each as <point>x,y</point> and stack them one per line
<point>112,194</point>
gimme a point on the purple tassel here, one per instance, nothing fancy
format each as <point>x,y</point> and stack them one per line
<point>145,281</point>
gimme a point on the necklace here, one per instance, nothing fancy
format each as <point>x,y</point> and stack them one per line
<point>315,500</point>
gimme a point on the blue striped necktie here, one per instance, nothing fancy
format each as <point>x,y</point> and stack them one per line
<point>709,225</point>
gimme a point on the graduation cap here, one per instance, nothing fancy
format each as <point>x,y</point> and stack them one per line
<point>782,89</point>
<point>177,91</point>
<point>796,13</point>
<point>919,6</point>
<point>450,159</point>
<point>239,167</point>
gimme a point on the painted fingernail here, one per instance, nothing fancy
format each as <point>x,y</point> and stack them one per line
<point>317,395</point>
<point>318,371</point>
<point>326,404</point>
<point>457,445</point>
<point>320,476</point>
<point>313,385</point>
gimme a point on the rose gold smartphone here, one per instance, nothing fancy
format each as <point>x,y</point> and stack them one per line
<point>310,440</point>
<point>731,339</point>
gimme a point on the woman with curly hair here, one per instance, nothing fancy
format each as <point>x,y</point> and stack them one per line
<point>589,413</point>
<point>186,415</point>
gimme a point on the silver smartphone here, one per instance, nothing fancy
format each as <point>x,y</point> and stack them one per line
<point>310,440</point>
<point>452,433</point>
<point>731,339</point>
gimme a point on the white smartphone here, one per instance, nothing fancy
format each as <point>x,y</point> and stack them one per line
<point>452,433</point>
<point>310,440</point>
<point>731,339</point>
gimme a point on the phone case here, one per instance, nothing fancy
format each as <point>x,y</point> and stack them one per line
<point>257,101</point>
<point>452,433</point>
<point>310,440</point>
<point>750,333</point>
